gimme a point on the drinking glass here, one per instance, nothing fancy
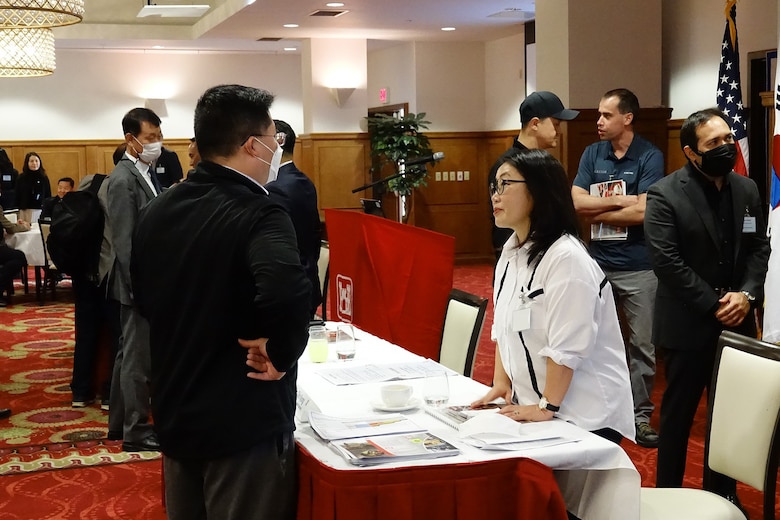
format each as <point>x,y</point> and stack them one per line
<point>318,344</point>
<point>436,388</point>
<point>345,342</point>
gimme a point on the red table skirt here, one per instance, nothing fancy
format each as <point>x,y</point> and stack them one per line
<point>495,490</point>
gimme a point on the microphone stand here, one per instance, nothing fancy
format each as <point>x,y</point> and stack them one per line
<point>403,210</point>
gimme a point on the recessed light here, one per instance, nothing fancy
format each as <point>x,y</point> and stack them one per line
<point>291,25</point>
<point>291,48</point>
<point>448,28</point>
<point>157,47</point>
<point>335,4</point>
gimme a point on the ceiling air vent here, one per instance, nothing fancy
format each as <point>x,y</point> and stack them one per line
<point>329,13</point>
<point>268,39</point>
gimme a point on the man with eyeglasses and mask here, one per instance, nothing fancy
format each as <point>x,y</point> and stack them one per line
<point>217,274</point>
<point>706,232</point>
<point>295,191</point>
<point>129,188</point>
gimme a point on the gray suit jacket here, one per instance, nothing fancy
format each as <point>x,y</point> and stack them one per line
<point>126,192</point>
<point>681,234</point>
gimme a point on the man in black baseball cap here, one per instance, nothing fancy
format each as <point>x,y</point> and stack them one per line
<point>541,114</point>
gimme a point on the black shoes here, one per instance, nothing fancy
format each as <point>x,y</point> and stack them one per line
<point>148,444</point>
<point>646,436</point>
<point>5,413</point>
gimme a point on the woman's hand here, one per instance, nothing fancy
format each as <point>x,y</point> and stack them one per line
<point>494,393</point>
<point>529,412</point>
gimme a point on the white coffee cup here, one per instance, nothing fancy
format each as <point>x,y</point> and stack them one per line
<point>396,395</point>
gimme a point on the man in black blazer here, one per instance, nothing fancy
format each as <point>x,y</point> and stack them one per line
<point>297,194</point>
<point>706,233</point>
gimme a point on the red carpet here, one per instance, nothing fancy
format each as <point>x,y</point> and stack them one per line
<point>56,465</point>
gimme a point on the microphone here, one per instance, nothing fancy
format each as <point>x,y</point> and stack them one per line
<point>434,157</point>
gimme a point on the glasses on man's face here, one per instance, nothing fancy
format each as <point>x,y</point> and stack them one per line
<point>279,137</point>
<point>497,188</point>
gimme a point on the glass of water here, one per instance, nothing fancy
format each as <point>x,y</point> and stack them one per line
<point>436,388</point>
<point>345,342</point>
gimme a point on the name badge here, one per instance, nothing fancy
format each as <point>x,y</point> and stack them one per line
<point>161,169</point>
<point>521,318</point>
<point>749,224</point>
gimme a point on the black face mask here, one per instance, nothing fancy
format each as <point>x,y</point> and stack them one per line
<point>719,161</point>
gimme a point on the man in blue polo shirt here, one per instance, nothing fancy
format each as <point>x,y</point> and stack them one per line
<point>609,192</point>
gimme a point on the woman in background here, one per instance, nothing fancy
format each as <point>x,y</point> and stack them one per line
<point>32,187</point>
<point>559,349</point>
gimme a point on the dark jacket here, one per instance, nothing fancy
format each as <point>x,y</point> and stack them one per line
<point>297,194</point>
<point>681,235</point>
<point>32,188</point>
<point>214,260</point>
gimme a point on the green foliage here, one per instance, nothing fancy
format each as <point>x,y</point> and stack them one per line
<point>393,139</point>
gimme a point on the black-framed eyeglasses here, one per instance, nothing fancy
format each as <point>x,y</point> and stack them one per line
<point>497,188</point>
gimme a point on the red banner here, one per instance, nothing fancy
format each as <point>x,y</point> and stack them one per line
<point>390,279</point>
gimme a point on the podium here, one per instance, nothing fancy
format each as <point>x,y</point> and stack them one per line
<point>390,279</point>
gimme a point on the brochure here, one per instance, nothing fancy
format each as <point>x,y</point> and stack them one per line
<point>602,231</point>
<point>454,416</point>
<point>330,428</point>
<point>393,448</point>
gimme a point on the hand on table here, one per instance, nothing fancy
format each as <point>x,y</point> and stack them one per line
<point>257,358</point>
<point>528,412</point>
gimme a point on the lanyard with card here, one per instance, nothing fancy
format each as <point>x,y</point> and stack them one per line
<point>748,222</point>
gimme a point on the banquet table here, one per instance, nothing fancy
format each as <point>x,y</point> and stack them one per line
<point>29,243</point>
<point>593,477</point>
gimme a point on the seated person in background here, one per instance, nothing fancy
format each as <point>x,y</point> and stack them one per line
<point>11,260</point>
<point>559,349</point>
<point>64,185</point>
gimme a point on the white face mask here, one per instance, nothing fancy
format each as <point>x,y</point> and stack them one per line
<point>150,153</point>
<point>276,160</point>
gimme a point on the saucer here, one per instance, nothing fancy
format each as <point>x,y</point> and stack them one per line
<point>382,407</point>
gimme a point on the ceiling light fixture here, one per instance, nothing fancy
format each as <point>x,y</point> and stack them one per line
<point>173,11</point>
<point>290,25</point>
<point>448,28</point>
<point>40,13</point>
<point>334,4</point>
<point>290,49</point>
<point>26,53</point>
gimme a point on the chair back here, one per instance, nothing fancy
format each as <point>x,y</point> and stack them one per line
<point>45,230</point>
<point>324,272</point>
<point>742,437</point>
<point>462,328</point>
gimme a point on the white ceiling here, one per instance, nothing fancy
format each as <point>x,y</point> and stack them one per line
<point>238,24</point>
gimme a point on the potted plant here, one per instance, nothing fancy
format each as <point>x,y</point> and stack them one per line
<point>393,140</point>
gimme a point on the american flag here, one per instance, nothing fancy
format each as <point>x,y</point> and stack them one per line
<point>729,92</point>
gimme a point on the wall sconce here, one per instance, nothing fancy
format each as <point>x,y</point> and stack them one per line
<point>341,94</point>
<point>157,106</point>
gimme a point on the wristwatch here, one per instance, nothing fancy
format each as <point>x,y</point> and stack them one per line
<point>545,405</point>
<point>750,297</point>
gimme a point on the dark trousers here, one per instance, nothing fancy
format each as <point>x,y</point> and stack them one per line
<point>11,261</point>
<point>255,484</point>
<point>96,317</point>
<point>688,374</point>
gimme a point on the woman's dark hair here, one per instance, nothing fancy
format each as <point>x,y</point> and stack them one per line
<point>553,214</point>
<point>26,167</point>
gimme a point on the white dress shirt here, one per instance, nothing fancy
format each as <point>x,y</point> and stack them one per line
<point>573,321</point>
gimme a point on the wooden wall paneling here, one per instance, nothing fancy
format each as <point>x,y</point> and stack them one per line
<point>675,158</point>
<point>341,166</point>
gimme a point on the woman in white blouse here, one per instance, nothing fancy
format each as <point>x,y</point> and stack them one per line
<point>559,348</point>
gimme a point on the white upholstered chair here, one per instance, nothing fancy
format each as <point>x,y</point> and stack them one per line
<point>462,328</point>
<point>742,434</point>
<point>323,273</point>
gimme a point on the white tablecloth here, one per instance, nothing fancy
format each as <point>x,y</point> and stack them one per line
<point>597,479</point>
<point>29,243</point>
